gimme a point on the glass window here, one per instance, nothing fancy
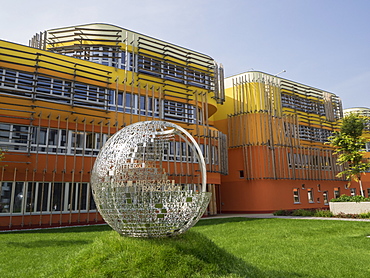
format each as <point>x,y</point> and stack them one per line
<point>56,141</point>
<point>93,92</point>
<point>39,135</point>
<point>336,192</point>
<point>20,134</point>
<point>53,137</point>
<point>112,97</point>
<point>353,191</point>
<point>57,87</point>
<point>77,142</point>
<point>100,140</point>
<point>42,197</point>
<point>92,144</point>
<point>302,104</point>
<point>63,138</point>
<point>147,63</point>
<point>6,191</point>
<point>126,60</point>
<point>215,155</point>
<point>20,197</point>
<point>43,85</point>
<point>325,194</point>
<point>82,196</point>
<point>30,199</point>
<point>92,201</point>
<point>80,91</point>
<point>70,190</point>
<point>10,78</point>
<point>142,105</point>
<point>128,102</point>
<point>25,81</point>
<point>12,197</point>
<point>56,196</point>
<point>4,132</point>
<point>120,99</point>
<point>48,140</point>
<point>241,173</point>
<point>310,195</point>
<point>14,137</point>
<point>296,195</point>
<point>178,111</point>
<point>90,140</point>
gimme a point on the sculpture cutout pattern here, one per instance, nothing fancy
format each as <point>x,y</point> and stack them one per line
<point>149,180</point>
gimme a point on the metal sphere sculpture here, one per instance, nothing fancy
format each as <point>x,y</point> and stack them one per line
<point>149,180</point>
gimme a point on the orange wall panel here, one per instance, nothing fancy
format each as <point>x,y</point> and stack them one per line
<point>271,195</point>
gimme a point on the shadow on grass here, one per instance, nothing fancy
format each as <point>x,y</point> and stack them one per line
<point>189,255</point>
<point>48,243</point>
<point>209,254</point>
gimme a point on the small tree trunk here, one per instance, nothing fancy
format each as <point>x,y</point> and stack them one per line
<point>360,183</point>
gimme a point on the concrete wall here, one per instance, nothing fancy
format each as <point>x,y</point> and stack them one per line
<point>349,207</point>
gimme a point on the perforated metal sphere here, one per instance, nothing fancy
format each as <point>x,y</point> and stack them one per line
<point>149,180</point>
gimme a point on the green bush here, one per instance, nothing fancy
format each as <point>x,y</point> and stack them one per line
<point>282,212</point>
<point>323,213</point>
<point>303,212</point>
<point>364,215</point>
<point>345,198</point>
<point>345,215</point>
<point>297,212</point>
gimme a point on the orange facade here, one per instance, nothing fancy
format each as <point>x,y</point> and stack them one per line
<point>278,153</point>
<point>241,195</point>
<point>62,98</point>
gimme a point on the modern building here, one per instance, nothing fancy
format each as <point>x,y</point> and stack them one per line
<point>277,132</point>
<point>263,137</point>
<point>64,95</point>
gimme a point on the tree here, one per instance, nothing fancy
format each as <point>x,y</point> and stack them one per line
<point>349,145</point>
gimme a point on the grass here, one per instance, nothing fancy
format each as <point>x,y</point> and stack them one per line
<point>233,247</point>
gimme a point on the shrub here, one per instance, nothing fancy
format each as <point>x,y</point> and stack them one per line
<point>344,215</point>
<point>323,213</point>
<point>282,212</point>
<point>364,215</point>
<point>303,212</point>
<point>345,198</point>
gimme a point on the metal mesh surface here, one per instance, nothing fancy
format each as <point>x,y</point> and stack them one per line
<point>138,189</point>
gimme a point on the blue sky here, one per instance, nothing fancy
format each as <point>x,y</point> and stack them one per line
<point>321,43</point>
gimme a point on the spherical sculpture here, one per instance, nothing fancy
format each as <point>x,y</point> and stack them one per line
<point>149,180</point>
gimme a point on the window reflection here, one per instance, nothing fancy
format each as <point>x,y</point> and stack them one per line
<point>36,197</point>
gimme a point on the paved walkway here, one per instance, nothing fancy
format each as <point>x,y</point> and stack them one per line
<point>270,215</point>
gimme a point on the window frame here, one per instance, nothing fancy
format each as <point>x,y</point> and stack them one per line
<point>296,196</point>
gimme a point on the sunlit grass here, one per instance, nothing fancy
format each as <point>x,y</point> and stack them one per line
<point>234,247</point>
<point>36,253</point>
<point>296,248</point>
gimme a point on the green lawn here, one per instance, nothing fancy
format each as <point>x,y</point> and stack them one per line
<point>233,247</point>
